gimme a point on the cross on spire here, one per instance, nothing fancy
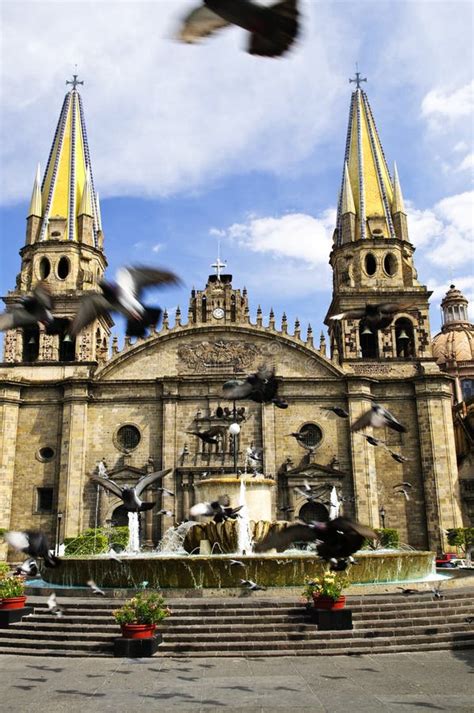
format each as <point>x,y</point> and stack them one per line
<point>74,81</point>
<point>357,81</point>
<point>218,265</point>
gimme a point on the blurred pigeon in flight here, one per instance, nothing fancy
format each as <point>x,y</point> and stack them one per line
<point>95,589</point>
<point>272,29</point>
<point>404,484</point>
<point>377,416</point>
<point>398,457</point>
<point>236,563</point>
<point>373,441</point>
<point>33,543</point>
<point>124,296</point>
<point>337,410</point>
<point>167,513</point>
<point>261,387</point>
<point>300,437</point>
<point>219,509</point>
<point>53,606</point>
<point>211,435</point>
<point>28,568</point>
<point>404,492</point>
<point>406,591</point>
<point>307,493</point>
<point>31,310</point>
<point>378,316</point>
<point>252,586</point>
<point>130,496</point>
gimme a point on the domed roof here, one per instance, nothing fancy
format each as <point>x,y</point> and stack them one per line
<point>457,344</point>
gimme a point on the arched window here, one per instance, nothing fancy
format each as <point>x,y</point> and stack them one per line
<point>30,343</point>
<point>67,348</point>
<point>313,512</point>
<point>204,309</point>
<point>233,313</point>
<point>368,342</point>
<point>404,338</point>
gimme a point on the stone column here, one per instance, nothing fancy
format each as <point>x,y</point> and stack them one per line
<point>72,463</point>
<point>168,448</point>
<point>9,411</point>
<point>438,458</point>
<point>363,456</point>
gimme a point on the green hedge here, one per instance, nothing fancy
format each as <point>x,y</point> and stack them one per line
<point>96,541</point>
<point>462,537</point>
<point>387,538</point>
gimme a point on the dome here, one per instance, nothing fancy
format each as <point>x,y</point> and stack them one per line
<point>455,344</point>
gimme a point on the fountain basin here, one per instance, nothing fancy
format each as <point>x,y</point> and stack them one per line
<point>258,493</point>
<point>216,571</point>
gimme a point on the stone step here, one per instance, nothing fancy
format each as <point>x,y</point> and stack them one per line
<point>61,634</point>
<point>74,652</point>
<point>52,646</point>
<point>61,625</point>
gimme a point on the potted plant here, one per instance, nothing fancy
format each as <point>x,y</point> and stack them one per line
<point>12,592</point>
<point>139,615</point>
<point>326,591</point>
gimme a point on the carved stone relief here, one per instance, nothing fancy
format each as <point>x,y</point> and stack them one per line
<point>237,356</point>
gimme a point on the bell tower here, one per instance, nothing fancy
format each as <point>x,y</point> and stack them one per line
<point>219,302</point>
<point>372,257</point>
<point>64,245</point>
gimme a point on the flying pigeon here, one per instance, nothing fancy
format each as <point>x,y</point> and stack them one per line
<point>31,310</point>
<point>261,387</point>
<point>404,492</point>
<point>53,606</point>
<point>398,457</point>
<point>219,509</point>
<point>338,538</point>
<point>307,493</point>
<point>252,586</point>
<point>236,563</point>
<point>373,441</point>
<point>113,555</point>
<point>404,484</point>
<point>130,496</point>
<point>211,435</point>
<point>378,316</point>
<point>407,591</point>
<point>272,29</point>
<point>95,589</point>
<point>300,437</point>
<point>124,296</point>
<point>376,417</point>
<point>254,457</point>
<point>168,513</point>
<point>286,509</point>
<point>165,491</point>
<point>337,410</point>
<point>33,543</point>
<point>28,568</point>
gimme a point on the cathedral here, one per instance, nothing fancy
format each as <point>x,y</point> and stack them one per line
<point>67,404</point>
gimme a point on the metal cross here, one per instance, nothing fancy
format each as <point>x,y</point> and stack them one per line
<point>218,264</point>
<point>357,80</point>
<point>74,82</point>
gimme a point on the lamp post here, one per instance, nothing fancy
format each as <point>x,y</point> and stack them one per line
<point>234,430</point>
<point>59,518</point>
<point>382,514</point>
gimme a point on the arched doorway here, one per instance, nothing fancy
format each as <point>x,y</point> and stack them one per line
<point>313,512</point>
<point>120,517</point>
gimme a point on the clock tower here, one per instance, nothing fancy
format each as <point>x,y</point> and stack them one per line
<point>218,303</point>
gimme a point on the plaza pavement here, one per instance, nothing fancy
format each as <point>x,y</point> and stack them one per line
<point>392,683</point>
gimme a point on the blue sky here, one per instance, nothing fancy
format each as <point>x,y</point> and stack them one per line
<point>191,144</point>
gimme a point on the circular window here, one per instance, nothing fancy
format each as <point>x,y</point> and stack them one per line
<point>45,454</point>
<point>390,264</point>
<point>370,264</point>
<point>63,268</point>
<point>44,268</point>
<point>310,435</point>
<point>128,437</point>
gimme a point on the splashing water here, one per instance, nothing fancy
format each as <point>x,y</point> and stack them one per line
<point>173,539</point>
<point>133,533</point>
<point>244,537</point>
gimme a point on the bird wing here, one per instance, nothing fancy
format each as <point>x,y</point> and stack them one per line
<point>17,540</point>
<point>362,422</point>
<point>281,29</point>
<point>43,295</point>
<point>215,431</point>
<point>393,308</point>
<point>150,478</point>
<point>345,525</point>
<point>201,509</point>
<point>350,314</point>
<point>391,420</point>
<point>18,317</point>
<point>135,279</point>
<point>108,485</point>
<point>280,539</point>
<point>200,22</point>
<point>237,389</point>
<point>90,307</point>
<point>265,372</point>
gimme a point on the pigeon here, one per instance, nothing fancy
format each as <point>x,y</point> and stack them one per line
<point>377,416</point>
<point>286,509</point>
<point>469,619</point>
<point>219,509</point>
<point>143,585</point>
<point>33,543</point>
<point>168,513</point>
<point>53,606</point>
<point>407,591</point>
<point>261,387</point>
<point>113,555</point>
<point>436,591</point>
<point>272,29</point>
<point>373,441</point>
<point>398,457</point>
<point>29,568</point>
<point>165,491</point>
<point>254,457</point>
<point>404,484</point>
<point>211,435</point>
<point>338,538</point>
<point>300,437</point>
<point>252,586</point>
<point>130,496</point>
<point>337,410</point>
<point>124,296</point>
<point>95,589</point>
<point>404,492</point>
<point>31,310</point>
<point>378,316</point>
<point>236,563</point>
<point>307,493</point>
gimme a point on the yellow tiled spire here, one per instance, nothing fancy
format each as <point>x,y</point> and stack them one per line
<point>68,172</point>
<point>365,168</point>
<point>36,202</point>
<point>398,206</point>
<point>347,204</point>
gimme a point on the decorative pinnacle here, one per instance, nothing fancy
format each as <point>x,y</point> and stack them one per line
<point>357,79</point>
<point>74,82</point>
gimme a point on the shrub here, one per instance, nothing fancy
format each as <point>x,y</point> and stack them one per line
<point>462,537</point>
<point>142,609</point>
<point>12,587</point>
<point>330,584</point>
<point>387,537</point>
<point>4,569</point>
<point>95,541</point>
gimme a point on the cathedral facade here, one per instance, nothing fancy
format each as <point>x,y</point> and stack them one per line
<point>66,405</point>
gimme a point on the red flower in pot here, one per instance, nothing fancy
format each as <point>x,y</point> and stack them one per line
<point>139,615</point>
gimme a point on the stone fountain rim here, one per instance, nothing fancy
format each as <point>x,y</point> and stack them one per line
<point>253,557</point>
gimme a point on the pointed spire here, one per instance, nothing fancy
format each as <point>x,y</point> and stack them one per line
<point>259,316</point>
<point>99,214</point>
<point>297,329</point>
<point>271,319</point>
<point>284,323</point>
<point>36,207</point>
<point>177,317</point>
<point>309,336</point>
<point>322,344</point>
<point>86,200</point>
<point>347,202</point>
<point>398,206</point>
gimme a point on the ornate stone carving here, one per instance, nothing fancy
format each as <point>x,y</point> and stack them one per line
<point>371,368</point>
<point>237,356</point>
<point>9,350</point>
<point>85,351</point>
<point>47,347</point>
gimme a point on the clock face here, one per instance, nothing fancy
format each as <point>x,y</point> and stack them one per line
<point>218,313</point>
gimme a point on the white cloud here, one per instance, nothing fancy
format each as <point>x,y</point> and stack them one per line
<point>216,232</point>
<point>467,164</point>
<point>447,105</point>
<point>158,247</point>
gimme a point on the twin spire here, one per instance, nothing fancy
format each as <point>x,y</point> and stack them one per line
<point>67,190</point>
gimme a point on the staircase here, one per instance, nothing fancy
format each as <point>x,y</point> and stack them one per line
<point>255,626</point>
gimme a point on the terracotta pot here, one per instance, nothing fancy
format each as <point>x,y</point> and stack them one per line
<point>12,602</point>
<point>328,603</point>
<point>138,631</point>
